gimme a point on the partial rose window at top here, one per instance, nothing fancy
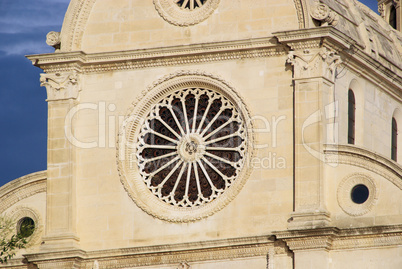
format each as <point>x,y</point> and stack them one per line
<point>185,12</point>
<point>190,4</point>
<point>191,147</point>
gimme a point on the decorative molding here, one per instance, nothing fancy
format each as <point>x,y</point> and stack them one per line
<point>371,161</point>
<point>61,86</point>
<point>344,194</point>
<point>171,12</point>
<point>236,248</point>
<point>333,238</point>
<point>335,40</point>
<point>301,9</point>
<point>132,125</point>
<point>177,55</point>
<point>330,238</point>
<point>384,73</point>
<point>74,24</point>
<point>322,13</point>
<point>22,188</point>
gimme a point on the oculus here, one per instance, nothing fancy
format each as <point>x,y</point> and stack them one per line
<point>357,194</point>
<point>185,12</point>
<point>185,147</point>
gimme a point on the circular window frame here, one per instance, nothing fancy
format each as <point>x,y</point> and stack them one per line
<point>172,13</point>
<point>131,128</point>
<point>25,212</point>
<point>344,194</point>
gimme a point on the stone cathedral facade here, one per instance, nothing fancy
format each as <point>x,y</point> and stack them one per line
<point>218,134</point>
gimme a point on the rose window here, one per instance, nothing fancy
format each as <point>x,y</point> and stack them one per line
<point>191,147</point>
<point>190,4</point>
<point>185,12</point>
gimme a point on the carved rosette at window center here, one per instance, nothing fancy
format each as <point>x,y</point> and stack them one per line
<point>191,147</point>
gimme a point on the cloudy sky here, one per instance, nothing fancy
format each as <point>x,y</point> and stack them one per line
<point>23,110</point>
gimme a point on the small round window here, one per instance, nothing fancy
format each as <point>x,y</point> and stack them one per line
<point>359,194</point>
<point>26,227</point>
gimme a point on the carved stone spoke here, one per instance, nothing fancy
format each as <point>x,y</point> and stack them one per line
<point>190,4</point>
<point>191,146</point>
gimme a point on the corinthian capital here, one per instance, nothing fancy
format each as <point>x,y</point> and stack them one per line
<point>61,86</point>
<point>314,63</point>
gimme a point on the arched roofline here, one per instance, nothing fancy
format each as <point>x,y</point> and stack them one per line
<point>78,12</point>
<point>21,188</point>
<point>364,158</point>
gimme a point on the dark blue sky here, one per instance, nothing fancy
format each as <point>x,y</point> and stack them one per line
<point>23,109</point>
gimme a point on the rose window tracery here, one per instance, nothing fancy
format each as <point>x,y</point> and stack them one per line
<point>190,4</point>
<point>191,147</point>
<point>185,12</point>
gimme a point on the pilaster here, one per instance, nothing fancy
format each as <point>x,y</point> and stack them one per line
<point>314,61</point>
<point>62,92</point>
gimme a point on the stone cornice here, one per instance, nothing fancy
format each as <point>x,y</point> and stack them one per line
<point>22,188</point>
<point>186,54</point>
<point>333,238</point>
<point>384,73</point>
<point>327,35</point>
<point>155,255</point>
<point>364,158</point>
<point>386,77</point>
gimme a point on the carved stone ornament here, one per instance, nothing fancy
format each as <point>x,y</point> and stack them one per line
<point>345,189</point>
<point>183,265</point>
<point>381,9</point>
<point>185,12</point>
<point>314,64</point>
<point>184,149</point>
<point>321,12</point>
<point>53,39</point>
<point>61,86</point>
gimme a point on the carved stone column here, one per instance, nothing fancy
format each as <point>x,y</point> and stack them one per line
<point>314,67</point>
<point>62,92</point>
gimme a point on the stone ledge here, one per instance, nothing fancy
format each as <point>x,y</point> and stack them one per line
<point>333,238</point>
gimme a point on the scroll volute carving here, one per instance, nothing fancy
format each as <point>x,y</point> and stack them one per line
<point>323,14</point>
